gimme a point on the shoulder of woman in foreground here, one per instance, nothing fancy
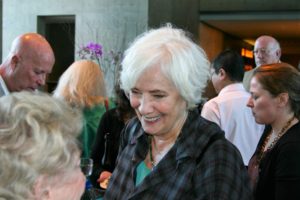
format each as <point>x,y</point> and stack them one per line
<point>220,171</point>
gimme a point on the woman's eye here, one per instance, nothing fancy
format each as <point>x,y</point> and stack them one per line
<point>135,93</point>
<point>159,96</point>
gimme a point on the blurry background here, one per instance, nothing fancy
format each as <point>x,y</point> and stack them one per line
<point>215,25</point>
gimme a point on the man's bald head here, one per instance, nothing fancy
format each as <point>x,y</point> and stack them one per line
<point>30,59</point>
<point>33,45</point>
<point>266,50</point>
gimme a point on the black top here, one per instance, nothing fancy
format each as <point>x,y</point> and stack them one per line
<point>108,134</point>
<point>279,169</point>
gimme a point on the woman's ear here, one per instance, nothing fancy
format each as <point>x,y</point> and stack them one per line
<point>283,99</point>
<point>41,189</point>
<point>14,62</point>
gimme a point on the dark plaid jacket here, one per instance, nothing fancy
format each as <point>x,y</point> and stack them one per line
<point>183,173</point>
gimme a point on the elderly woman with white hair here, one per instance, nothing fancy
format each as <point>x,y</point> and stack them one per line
<point>169,151</point>
<point>39,155</point>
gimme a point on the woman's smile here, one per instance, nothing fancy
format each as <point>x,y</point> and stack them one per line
<point>157,102</point>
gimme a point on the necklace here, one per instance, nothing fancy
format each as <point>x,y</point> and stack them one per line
<point>278,136</point>
<point>153,164</point>
<point>160,154</point>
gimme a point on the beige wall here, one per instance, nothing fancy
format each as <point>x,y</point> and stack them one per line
<point>112,23</point>
<point>211,40</point>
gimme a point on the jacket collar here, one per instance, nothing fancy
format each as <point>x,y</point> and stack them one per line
<point>194,136</point>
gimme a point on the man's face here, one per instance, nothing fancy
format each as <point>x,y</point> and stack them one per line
<point>265,53</point>
<point>215,79</point>
<point>30,74</point>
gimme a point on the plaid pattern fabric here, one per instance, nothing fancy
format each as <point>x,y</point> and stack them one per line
<point>219,174</point>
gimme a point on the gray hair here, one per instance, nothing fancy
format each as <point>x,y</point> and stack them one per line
<point>181,60</point>
<point>37,138</point>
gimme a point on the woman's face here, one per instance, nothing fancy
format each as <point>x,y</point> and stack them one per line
<point>71,187</point>
<point>157,103</point>
<point>263,104</point>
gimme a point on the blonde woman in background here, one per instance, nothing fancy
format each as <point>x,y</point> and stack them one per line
<point>38,148</point>
<point>82,85</point>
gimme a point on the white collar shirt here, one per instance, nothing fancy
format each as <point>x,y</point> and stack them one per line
<point>230,112</point>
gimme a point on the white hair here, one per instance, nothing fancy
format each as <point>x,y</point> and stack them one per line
<point>38,137</point>
<point>181,60</point>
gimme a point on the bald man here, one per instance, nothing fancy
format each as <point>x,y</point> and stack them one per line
<point>29,61</point>
<point>266,51</point>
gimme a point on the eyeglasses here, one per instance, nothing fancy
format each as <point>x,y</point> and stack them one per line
<point>262,51</point>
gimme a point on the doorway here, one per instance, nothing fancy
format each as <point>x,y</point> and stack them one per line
<point>60,33</point>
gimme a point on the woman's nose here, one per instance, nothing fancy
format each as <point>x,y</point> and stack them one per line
<point>145,106</point>
<point>250,102</point>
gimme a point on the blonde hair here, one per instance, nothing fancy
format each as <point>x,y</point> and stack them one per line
<point>38,137</point>
<point>82,84</point>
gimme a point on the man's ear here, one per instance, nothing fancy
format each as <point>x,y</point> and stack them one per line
<point>278,53</point>
<point>222,74</point>
<point>14,62</point>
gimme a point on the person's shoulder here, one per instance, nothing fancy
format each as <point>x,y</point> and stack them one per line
<point>206,125</point>
<point>211,104</point>
<point>220,150</point>
<point>210,130</point>
<point>212,101</point>
<point>292,135</point>
<point>223,146</point>
<point>201,129</point>
<point>98,108</point>
<point>130,132</point>
<point>213,130</point>
<point>112,111</point>
<point>212,144</point>
<point>132,126</point>
<point>110,114</point>
<point>248,74</point>
<point>111,102</point>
